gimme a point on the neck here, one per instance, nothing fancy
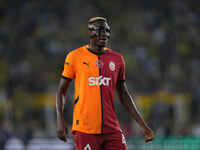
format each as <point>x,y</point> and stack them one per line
<point>96,48</point>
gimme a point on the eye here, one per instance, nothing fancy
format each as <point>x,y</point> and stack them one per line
<point>91,29</point>
<point>108,30</point>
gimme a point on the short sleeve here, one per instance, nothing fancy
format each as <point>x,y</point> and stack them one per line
<point>69,66</point>
<point>122,71</point>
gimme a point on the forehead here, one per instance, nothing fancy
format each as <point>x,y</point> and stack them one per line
<point>101,23</point>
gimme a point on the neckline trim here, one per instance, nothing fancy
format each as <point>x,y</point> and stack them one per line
<point>97,53</point>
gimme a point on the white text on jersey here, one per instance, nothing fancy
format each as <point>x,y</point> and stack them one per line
<point>99,81</point>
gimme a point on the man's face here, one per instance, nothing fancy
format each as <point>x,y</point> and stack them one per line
<point>99,32</point>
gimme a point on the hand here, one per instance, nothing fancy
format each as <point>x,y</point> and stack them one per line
<point>62,130</point>
<point>148,133</point>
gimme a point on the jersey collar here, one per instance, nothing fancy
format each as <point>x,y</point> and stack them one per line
<point>97,53</point>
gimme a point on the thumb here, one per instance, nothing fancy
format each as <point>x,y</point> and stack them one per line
<point>149,138</point>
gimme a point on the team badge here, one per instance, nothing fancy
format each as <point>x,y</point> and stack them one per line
<point>99,64</point>
<point>112,66</point>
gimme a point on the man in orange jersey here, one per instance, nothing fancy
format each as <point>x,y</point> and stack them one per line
<point>97,72</point>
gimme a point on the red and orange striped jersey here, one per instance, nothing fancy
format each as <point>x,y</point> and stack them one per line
<point>96,76</point>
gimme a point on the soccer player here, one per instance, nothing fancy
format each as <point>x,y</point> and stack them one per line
<point>97,71</point>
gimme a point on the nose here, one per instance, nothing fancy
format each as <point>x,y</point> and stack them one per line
<point>104,33</point>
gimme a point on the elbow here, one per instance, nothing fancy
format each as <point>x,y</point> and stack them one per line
<point>58,93</point>
<point>122,100</point>
<point>60,90</point>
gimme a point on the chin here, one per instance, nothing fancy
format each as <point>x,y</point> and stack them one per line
<point>102,45</point>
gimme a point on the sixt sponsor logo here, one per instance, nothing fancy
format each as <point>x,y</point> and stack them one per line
<point>99,81</point>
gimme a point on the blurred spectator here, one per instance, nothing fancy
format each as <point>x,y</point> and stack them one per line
<point>195,106</point>
<point>50,144</point>
<point>4,133</point>
<point>162,119</point>
<point>14,144</point>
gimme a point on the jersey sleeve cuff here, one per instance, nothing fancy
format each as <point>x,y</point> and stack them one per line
<point>67,78</point>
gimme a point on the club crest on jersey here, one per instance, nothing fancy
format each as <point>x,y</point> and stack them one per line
<point>112,66</point>
<point>99,64</point>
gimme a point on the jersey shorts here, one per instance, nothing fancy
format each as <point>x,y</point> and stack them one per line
<point>111,141</point>
<point>95,77</point>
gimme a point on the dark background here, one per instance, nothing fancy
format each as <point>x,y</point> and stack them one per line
<point>158,39</point>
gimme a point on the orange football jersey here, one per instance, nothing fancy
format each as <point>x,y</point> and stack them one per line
<point>96,76</point>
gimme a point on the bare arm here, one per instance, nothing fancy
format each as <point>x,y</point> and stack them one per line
<point>127,101</point>
<point>60,102</point>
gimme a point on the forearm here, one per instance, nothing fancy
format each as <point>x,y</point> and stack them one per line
<point>60,97</point>
<point>60,105</point>
<point>128,103</point>
<point>130,106</point>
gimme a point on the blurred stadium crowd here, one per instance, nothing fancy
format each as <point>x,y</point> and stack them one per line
<point>159,41</point>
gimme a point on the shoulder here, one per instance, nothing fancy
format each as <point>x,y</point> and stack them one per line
<point>116,54</point>
<point>75,52</point>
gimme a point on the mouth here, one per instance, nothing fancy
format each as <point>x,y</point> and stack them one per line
<point>103,39</point>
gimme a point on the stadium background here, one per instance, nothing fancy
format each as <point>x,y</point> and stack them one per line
<point>160,44</point>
